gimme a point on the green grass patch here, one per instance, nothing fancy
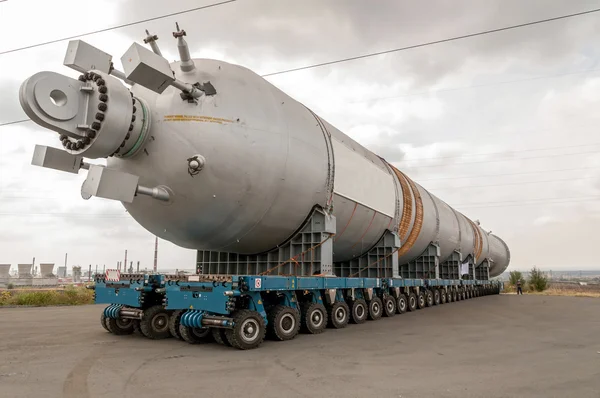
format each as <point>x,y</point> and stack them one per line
<point>68,296</point>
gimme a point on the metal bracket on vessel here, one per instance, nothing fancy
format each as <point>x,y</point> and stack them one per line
<point>113,184</point>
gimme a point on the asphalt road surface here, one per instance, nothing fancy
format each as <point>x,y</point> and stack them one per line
<point>492,346</point>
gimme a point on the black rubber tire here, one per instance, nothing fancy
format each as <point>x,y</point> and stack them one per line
<point>194,335</point>
<point>412,302</point>
<point>421,300</point>
<point>137,329</point>
<point>375,308</point>
<point>283,323</point>
<point>358,311</point>
<point>339,315</point>
<point>436,297</point>
<point>428,298</point>
<point>103,321</point>
<point>463,295</point>
<point>220,337</point>
<point>454,295</point>
<point>401,304</point>
<point>155,323</point>
<point>314,318</point>
<point>443,296</point>
<point>174,324</point>
<point>249,330</point>
<point>119,326</point>
<point>389,306</point>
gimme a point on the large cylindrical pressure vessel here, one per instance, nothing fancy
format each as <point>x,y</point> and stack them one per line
<point>266,162</point>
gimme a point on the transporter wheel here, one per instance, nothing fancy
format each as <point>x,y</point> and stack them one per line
<point>454,295</point>
<point>443,296</point>
<point>436,297</point>
<point>249,330</point>
<point>283,323</point>
<point>421,300</point>
<point>155,323</point>
<point>174,324</point>
<point>412,302</point>
<point>119,326</point>
<point>103,321</point>
<point>428,298</point>
<point>220,337</point>
<point>314,318</point>
<point>375,308</point>
<point>136,328</point>
<point>389,306</point>
<point>339,315</point>
<point>401,304</point>
<point>359,311</point>
<point>193,335</point>
<point>463,295</point>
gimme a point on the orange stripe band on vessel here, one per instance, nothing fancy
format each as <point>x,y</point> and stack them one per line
<point>478,240</point>
<point>407,205</point>
<point>416,230</point>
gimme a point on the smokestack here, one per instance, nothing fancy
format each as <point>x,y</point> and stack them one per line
<point>138,267</point>
<point>125,263</point>
<point>90,273</point>
<point>155,254</point>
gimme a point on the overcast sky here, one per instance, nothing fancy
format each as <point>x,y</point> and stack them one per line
<point>503,127</point>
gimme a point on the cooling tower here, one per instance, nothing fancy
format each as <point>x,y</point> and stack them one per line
<point>46,270</point>
<point>25,270</point>
<point>4,270</point>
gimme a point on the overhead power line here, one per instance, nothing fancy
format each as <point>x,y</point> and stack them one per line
<point>591,199</point>
<point>14,122</point>
<point>485,32</point>
<point>507,160</point>
<point>117,27</point>
<point>501,153</point>
<point>510,183</point>
<point>529,201</point>
<point>472,86</point>
<point>323,63</point>
<point>506,174</point>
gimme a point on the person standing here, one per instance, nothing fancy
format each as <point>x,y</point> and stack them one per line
<point>519,290</point>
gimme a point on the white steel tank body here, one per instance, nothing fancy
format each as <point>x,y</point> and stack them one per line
<point>211,156</point>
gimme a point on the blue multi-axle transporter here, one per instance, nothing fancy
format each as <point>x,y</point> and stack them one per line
<point>240,310</point>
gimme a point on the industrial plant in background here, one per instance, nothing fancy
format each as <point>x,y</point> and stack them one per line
<point>27,275</point>
<point>214,158</point>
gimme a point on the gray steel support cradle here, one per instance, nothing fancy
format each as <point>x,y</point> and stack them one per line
<point>426,266</point>
<point>482,272</point>
<point>310,252</point>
